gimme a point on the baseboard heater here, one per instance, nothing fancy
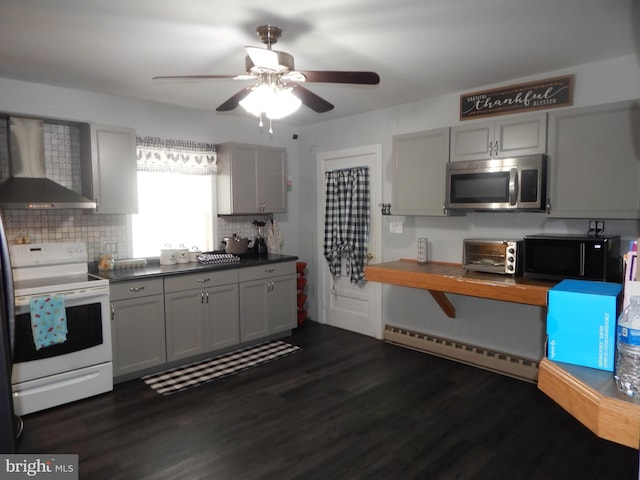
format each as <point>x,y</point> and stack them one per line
<point>499,362</point>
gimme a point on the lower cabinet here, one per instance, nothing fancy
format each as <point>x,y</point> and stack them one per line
<point>137,325</point>
<point>267,300</point>
<point>201,313</point>
<point>160,320</point>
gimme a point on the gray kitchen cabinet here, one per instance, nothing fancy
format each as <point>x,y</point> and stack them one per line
<point>113,169</point>
<point>251,179</point>
<point>594,155</point>
<point>267,300</point>
<point>419,167</point>
<point>201,312</point>
<point>137,324</point>
<point>508,137</point>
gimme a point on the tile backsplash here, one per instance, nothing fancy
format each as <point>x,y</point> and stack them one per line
<point>69,226</point>
<point>241,224</point>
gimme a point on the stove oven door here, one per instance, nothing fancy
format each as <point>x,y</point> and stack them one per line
<point>77,368</point>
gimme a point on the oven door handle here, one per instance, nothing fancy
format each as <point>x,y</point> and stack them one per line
<point>85,296</point>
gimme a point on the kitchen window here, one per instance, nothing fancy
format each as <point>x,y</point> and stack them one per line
<point>176,196</point>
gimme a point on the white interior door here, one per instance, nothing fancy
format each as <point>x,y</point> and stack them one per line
<point>355,307</point>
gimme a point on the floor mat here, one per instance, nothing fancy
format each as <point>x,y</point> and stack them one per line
<point>194,374</point>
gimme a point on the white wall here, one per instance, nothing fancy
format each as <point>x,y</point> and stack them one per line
<point>516,329</point>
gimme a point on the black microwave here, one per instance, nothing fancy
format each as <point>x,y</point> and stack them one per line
<point>556,257</point>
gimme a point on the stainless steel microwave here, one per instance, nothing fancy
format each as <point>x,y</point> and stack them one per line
<point>503,184</point>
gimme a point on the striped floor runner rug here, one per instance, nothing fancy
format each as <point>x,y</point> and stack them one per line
<point>194,374</point>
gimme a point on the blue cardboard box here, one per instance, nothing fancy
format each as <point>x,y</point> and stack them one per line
<point>581,323</point>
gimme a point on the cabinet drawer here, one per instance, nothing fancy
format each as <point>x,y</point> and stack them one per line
<point>135,288</point>
<point>189,281</point>
<point>266,271</point>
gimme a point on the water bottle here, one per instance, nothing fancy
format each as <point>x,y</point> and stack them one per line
<point>627,371</point>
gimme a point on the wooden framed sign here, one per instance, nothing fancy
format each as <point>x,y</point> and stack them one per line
<point>550,93</point>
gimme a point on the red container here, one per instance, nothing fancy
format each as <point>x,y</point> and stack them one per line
<point>300,266</point>
<point>301,299</point>
<point>301,282</point>
<point>302,316</point>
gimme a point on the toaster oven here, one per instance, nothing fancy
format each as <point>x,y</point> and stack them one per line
<point>503,257</point>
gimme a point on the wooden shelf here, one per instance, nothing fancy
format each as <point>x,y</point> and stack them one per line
<point>440,278</point>
<point>590,395</point>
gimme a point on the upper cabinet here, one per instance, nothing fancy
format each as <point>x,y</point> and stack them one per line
<point>595,162</point>
<point>113,176</point>
<point>251,179</point>
<point>419,164</point>
<point>515,136</point>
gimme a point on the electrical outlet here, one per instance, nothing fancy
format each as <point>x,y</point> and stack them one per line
<point>592,226</point>
<point>110,247</point>
<point>599,226</point>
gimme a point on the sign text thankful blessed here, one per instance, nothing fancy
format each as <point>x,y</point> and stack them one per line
<point>550,93</point>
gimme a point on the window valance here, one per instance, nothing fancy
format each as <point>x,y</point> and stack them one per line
<point>177,156</point>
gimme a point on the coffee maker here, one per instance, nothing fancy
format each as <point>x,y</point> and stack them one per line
<point>260,244</point>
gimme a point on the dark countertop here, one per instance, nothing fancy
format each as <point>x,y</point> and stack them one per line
<point>154,269</point>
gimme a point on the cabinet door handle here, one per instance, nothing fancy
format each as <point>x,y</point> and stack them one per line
<point>269,270</point>
<point>136,289</point>
<point>201,297</point>
<point>203,280</point>
<point>113,313</point>
<point>207,296</point>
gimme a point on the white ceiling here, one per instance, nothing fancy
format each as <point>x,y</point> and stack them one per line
<point>420,48</point>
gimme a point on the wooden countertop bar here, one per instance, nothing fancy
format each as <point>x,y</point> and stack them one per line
<point>439,278</point>
<point>590,395</point>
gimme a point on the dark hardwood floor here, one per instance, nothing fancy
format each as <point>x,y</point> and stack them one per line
<point>345,407</point>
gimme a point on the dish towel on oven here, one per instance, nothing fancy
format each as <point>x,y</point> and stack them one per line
<point>48,320</point>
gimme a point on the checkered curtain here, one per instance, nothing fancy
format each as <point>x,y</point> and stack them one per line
<point>346,220</point>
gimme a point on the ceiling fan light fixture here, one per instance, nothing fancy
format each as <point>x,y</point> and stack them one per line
<point>285,104</point>
<point>272,100</point>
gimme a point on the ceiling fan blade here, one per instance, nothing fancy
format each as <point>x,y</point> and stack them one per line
<point>234,101</point>
<point>327,76</point>
<point>311,100</point>
<point>201,77</point>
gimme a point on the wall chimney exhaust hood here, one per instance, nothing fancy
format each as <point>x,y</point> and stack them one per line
<point>28,185</point>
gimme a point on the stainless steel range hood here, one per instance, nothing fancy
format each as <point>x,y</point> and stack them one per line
<point>28,185</point>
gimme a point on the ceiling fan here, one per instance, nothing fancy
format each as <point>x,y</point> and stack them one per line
<point>274,73</point>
